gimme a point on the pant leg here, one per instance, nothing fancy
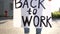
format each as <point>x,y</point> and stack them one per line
<point>26,30</point>
<point>38,30</point>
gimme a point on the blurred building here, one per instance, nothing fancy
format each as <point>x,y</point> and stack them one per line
<point>6,5</point>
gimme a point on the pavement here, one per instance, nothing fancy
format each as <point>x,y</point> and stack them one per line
<point>6,27</point>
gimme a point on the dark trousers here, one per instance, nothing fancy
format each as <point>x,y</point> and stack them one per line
<point>38,30</point>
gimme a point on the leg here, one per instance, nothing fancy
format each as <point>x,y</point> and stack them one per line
<point>26,30</point>
<point>38,30</point>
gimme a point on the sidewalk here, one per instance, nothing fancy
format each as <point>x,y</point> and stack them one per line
<point>6,26</point>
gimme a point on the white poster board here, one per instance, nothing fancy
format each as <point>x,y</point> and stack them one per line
<point>35,12</point>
